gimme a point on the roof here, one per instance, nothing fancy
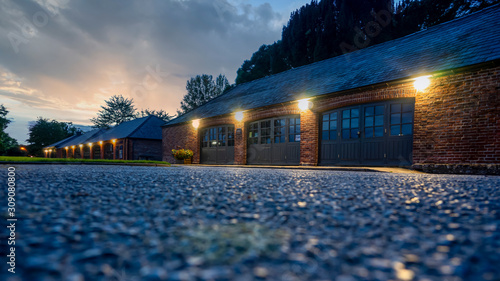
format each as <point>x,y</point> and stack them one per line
<point>462,42</point>
<point>141,128</point>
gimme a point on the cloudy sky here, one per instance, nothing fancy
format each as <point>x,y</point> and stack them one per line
<point>60,59</point>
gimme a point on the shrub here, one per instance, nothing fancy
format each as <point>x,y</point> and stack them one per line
<point>181,154</point>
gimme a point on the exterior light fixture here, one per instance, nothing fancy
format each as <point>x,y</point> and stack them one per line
<point>23,148</point>
<point>305,104</point>
<point>46,151</point>
<point>238,116</point>
<point>73,146</point>
<point>81,145</point>
<point>66,148</point>
<point>90,144</point>
<point>113,140</point>
<point>421,83</point>
<point>196,123</point>
<point>100,142</point>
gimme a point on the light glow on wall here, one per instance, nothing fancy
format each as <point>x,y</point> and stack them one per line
<point>100,142</point>
<point>421,83</point>
<point>196,123</point>
<point>305,104</point>
<point>239,116</point>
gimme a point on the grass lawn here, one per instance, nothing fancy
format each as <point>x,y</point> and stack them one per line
<point>14,159</point>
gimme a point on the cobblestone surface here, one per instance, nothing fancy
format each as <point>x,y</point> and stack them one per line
<point>201,223</point>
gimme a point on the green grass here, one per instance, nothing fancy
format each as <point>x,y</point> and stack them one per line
<point>14,159</point>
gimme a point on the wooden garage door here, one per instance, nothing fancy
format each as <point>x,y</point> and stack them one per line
<point>370,134</point>
<point>217,145</point>
<point>274,141</point>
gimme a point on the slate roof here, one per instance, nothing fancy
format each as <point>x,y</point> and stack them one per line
<point>140,128</point>
<point>465,41</point>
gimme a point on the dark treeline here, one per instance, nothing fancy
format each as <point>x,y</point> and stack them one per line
<point>328,28</point>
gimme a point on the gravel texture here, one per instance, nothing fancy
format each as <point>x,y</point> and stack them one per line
<point>200,223</point>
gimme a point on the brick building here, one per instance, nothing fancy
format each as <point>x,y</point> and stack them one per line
<point>428,98</point>
<point>139,139</point>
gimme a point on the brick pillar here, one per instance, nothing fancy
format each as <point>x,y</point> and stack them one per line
<point>240,143</point>
<point>114,150</point>
<point>193,142</point>
<point>102,150</point>
<point>91,152</point>
<point>309,137</point>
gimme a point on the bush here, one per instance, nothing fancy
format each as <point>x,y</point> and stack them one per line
<point>181,154</point>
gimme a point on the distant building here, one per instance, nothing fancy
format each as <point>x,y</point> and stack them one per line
<point>139,139</point>
<point>431,97</point>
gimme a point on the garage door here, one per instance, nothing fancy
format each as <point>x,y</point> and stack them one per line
<point>274,141</point>
<point>217,145</point>
<point>369,134</point>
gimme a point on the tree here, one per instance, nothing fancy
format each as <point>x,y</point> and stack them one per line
<point>117,110</point>
<point>45,132</point>
<point>7,143</point>
<point>162,114</point>
<point>201,89</point>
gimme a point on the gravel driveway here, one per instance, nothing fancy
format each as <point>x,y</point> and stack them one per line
<point>202,223</point>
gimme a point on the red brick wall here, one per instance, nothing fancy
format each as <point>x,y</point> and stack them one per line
<point>183,136</point>
<point>457,120</point>
<point>139,149</point>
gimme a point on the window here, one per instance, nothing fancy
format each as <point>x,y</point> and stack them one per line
<point>204,138</point>
<point>350,123</point>
<point>265,130</point>
<point>329,129</point>
<point>230,136</point>
<point>401,119</point>
<point>221,136</point>
<point>294,130</point>
<point>279,130</point>
<point>374,121</point>
<point>212,137</point>
<point>253,133</point>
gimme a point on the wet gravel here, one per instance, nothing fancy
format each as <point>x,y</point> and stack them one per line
<point>200,223</point>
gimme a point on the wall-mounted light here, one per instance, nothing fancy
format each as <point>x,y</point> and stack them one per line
<point>73,146</point>
<point>100,142</point>
<point>66,148</point>
<point>421,83</point>
<point>305,104</point>
<point>81,145</point>
<point>90,144</point>
<point>238,116</point>
<point>113,140</point>
<point>196,123</point>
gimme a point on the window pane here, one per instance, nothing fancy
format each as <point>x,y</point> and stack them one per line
<point>282,138</point>
<point>333,135</point>
<point>355,112</point>
<point>368,132</point>
<point>408,117</point>
<point>230,143</point>
<point>325,126</point>
<point>407,129</point>
<point>368,121</point>
<point>297,129</point>
<point>355,123</point>
<point>333,116</point>
<point>396,118</point>
<point>276,140</point>
<point>346,114</point>
<point>379,120</point>
<point>379,132</point>
<point>345,134</point>
<point>395,108</point>
<point>333,125</point>
<point>395,130</point>
<point>407,107</point>
<point>369,111</point>
<point>354,133</point>
<point>345,123</point>
<point>325,118</point>
<point>379,110</point>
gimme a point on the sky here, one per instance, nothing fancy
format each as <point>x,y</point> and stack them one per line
<point>61,59</point>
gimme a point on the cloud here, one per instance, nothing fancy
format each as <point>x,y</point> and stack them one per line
<point>69,56</point>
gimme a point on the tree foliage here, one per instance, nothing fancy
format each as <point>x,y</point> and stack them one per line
<point>328,28</point>
<point>162,114</point>
<point>116,111</point>
<point>201,89</point>
<point>7,143</point>
<point>45,132</point>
